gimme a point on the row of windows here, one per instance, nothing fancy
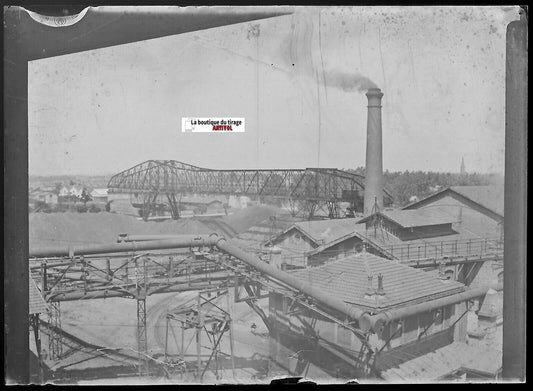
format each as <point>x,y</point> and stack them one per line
<point>410,329</point>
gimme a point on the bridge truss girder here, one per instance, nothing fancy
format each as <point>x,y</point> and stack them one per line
<point>311,185</point>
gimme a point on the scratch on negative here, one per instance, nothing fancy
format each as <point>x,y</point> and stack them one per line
<point>95,29</point>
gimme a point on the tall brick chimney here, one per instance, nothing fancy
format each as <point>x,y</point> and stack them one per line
<point>374,154</point>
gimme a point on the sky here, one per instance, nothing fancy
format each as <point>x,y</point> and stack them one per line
<point>298,80</point>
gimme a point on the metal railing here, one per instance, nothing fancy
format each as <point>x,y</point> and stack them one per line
<point>444,248</point>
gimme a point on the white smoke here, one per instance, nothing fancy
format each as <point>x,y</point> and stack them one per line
<point>348,81</point>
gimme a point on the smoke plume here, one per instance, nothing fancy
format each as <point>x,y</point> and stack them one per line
<point>348,81</point>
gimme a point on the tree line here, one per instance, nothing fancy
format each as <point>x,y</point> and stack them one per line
<point>405,184</point>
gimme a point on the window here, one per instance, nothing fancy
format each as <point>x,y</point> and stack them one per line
<point>425,323</point>
<point>393,333</point>
<point>448,315</point>
<point>438,316</point>
<point>410,329</point>
<point>286,303</point>
<point>344,336</point>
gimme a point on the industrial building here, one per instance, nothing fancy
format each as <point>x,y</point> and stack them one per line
<point>478,209</point>
<point>376,286</point>
<point>301,243</point>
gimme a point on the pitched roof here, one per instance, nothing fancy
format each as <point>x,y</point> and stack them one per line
<point>489,199</point>
<point>414,217</point>
<point>37,304</point>
<point>255,237</point>
<point>359,232</point>
<point>326,231</point>
<point>347,280</point>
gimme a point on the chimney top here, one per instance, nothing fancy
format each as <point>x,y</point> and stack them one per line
<point>374,92</point>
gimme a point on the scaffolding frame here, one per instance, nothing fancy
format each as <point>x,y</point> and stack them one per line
<point>206,319</point>
<point>55,342</point>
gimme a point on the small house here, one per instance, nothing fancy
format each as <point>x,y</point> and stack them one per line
<point>99,195</point>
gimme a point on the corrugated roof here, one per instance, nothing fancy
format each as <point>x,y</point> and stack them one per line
<point>346,279</point>
<point>37,305</point>
<point>491,197</point>
<point>415,217</point>
<point>444,361</point>
<point>326,231</point>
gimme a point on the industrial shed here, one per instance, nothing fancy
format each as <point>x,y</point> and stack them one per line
<point>375,285</point>
<point>313,242</point>
<point>420,234</point>
<point>478,209</point>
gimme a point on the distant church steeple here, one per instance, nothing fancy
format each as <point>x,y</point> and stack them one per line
<point>463,170</point>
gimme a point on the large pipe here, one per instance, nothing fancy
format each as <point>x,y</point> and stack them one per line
<point>366,320</point>
<point>144,238</point>
<point>376,321</point>
<point>296,283</point>
<point>211,240</point>
<point>374,153</point>
<point>68,251</point>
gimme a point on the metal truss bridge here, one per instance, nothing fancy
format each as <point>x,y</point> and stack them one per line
<point>305,189</point>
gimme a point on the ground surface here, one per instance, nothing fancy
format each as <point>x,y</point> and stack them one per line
<point>49,229</point>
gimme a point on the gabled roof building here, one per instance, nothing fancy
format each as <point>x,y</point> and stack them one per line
<point>478,209</point>
<point>312,242</point>
<point>374,285</point>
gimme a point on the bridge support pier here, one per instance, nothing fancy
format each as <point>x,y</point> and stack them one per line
<point>174,204</point>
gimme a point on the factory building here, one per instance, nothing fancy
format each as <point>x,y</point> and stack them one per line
<point>419,234</point>
<point>309,243</point>
<point>374,285</point>
<point>395,234</point>
<point>478,209</point>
